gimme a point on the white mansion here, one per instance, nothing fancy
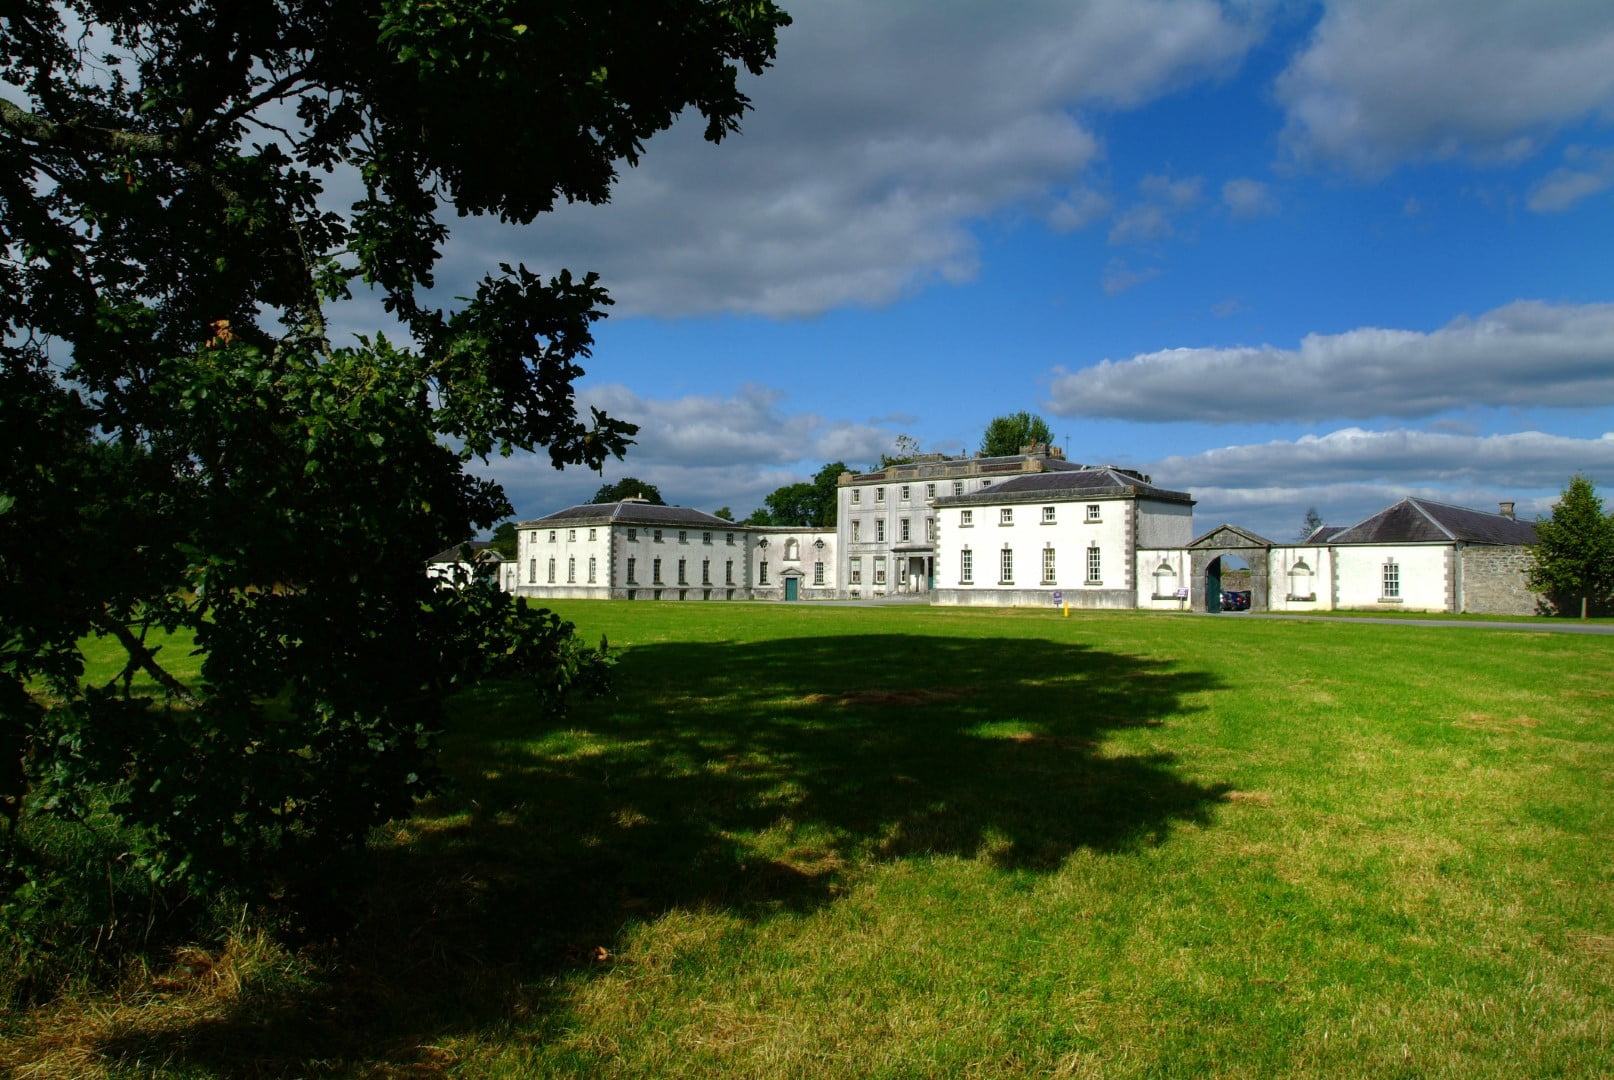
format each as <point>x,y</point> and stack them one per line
<point>1027,529</point>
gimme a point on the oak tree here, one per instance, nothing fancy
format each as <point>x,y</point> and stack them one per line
<point>187,447</point>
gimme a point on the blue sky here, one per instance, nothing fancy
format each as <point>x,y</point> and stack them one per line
<point>1277,255</point>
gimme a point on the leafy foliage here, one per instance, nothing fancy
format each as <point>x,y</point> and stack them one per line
<point>1574,558</point>
<point>629,488</point>
<point>183,447</point>
<point>1310,523</point>
<point>1007,435</point>
<point>505,541</point>
<point>809,504</point>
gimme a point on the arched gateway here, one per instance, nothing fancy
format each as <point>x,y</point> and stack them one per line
<point>1205,555</point>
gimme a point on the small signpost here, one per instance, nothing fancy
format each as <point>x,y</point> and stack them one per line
<point>1059,602</point>
<point>1182,595</point>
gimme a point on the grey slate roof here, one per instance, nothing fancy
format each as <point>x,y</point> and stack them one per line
<point>1078,483</point>
<point>452,554</point>
<point>629,513</point>
<point>1322,534</point>
<point>1415,521</point>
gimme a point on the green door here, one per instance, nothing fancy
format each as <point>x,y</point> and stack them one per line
<point>792,588</point>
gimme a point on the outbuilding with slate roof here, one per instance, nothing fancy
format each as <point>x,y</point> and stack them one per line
<point>634,550</point>
<point>1419,555</point>
<point>473,559</point>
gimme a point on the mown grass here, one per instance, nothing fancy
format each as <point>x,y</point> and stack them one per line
<point>907,841</point>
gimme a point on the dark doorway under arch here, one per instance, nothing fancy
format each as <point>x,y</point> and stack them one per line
<point>1226,575</point>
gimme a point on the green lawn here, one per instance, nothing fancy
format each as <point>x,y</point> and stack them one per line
<point>805,841</point>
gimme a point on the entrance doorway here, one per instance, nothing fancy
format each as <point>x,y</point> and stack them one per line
<point>1229,584</point>
<point>792,588</point>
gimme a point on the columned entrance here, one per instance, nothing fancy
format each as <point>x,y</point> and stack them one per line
<point>915,570</point>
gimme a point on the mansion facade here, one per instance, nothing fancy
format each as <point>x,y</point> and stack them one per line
<point>1030,529</point>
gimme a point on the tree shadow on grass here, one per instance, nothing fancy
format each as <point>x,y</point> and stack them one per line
<point>741,777</point>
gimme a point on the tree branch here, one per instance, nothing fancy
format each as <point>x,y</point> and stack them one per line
<point>75,135</point>
<point>139,654</point>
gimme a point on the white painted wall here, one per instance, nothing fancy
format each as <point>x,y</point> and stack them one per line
<point>811,546</point>
<point>1164,525</point>
<point>1028,533</point>
<point>1359,573</point>
<point>1161,572</point>
<point>1296,572</point>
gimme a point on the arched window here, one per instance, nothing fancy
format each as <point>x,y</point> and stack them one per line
<point>792,550</point>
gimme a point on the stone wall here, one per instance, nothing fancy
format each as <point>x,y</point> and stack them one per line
<point>1494,580</point>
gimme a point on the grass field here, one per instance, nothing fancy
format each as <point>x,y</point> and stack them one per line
<point>805,841</point>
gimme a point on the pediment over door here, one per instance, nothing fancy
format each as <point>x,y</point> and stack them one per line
<point>1230,536</point>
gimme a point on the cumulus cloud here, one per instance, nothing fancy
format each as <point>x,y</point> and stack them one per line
<point>699,450</point>
<point>1586,173</point>
<point>748,426</point>
<point>1382,83</point>
<point>1527,459</point>
<point>1527,353</point>
<point>1352,473</point>
<point>1246,198</point>
<point>882,132</point>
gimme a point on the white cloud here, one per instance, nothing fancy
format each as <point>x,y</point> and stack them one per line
<point>1527,459</point>
<point>699,450</point>
<point>1077,209</point>
<point>1144,222</point>
<point>1526,353</point>
<point>1564,187</point>
<point>747,426</point>
<point>1353,473</point>
<point>1382,82</point>
<point>1119,276</point>
<point>1182,192</point>
<point>1151,218</point>
<point>1246,198</point>
<point>882,132</point>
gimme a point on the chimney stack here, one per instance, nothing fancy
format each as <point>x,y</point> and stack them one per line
<point>1507,510</point>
